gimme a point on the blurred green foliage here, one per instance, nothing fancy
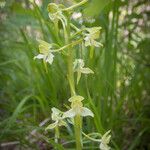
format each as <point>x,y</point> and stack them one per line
<point>118,94</point>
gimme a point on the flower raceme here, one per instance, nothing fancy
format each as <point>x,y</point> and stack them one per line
<point>77,108</point>
<point>57,116</point>
<point>45,52</point>
<point>88,37</point>
<point>79,68</point>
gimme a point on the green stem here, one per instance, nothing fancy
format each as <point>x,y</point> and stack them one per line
<point>92,139</point>
<point>74,6</point>
<point>56,28</point>
<point>74,27</point>
<point>78,131</point>
<point>68,45</point>
<point>77,118</point>
<point>91,52</point>
<point>70,61</point>
<point>56,134</point>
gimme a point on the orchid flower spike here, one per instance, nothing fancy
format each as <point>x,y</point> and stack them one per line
<point>45,52</point>
<point>57,116</point>
<point>79,68</point>
<point>91,36</point>
<point>77,108</point>
<point>105,141</point>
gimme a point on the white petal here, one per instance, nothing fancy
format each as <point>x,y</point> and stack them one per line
<point>86,112</point>
<point>86,70</point>
<point>104,147</point>
<point>78,63</point>
<point>49,58</point>
<point>69,114</point>
<point>87,38</point>
<point>87,43</point>
<point>56,114</point>
<point>76,15</point>
<point>81,62</point>
<point>39,56</point>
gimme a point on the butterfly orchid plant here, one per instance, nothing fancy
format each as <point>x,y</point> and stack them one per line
<point>86,37</point>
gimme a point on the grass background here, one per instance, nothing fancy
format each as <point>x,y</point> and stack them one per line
<point>118,92</point>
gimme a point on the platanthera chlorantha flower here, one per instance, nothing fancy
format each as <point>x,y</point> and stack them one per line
<point>79,68</point>
<point>105,141</point>
<point>77,108</point>
<point>91,35</point>
<point>45,52</point>
<point>57,116</point>
<point>55,12</point>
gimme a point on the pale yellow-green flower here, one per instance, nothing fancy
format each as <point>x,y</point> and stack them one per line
<point>57,117</point>
<point>91,36</point>
<point>105,141</point>
<point>45,52</point>
<point>78,67</point>
<point>55,12</point>
<point>77,108</point>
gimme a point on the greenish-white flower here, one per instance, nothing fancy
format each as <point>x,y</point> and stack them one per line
<point>78,67</point>
<point>105,141</point>
<point>57,117</point>
<point>77,108</point>
<point>55,12</point>
<point>45,52</point>
<point>91,35</point>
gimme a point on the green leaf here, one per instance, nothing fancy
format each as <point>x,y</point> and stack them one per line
<point>98,6</point>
